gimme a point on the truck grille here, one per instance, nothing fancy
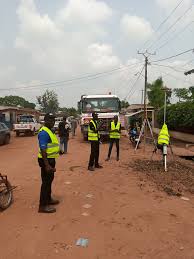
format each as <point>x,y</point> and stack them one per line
<point>105,125</point>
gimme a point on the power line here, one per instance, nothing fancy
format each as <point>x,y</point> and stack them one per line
<point>69,81</point>
<point>134,84</point>
<point>177,20</point>
<point>165,20</point>
<point>175,36</point>
<point>174,56</point>
<point>175,77</point>
<point>176,70</point>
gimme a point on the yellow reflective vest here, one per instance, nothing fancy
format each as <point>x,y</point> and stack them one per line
<point>92,136</point>
<point>115,135</point>
<point>164,137</point>
<point>53,147</point>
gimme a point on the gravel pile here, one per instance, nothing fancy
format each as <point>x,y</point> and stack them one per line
<point>178,180</point>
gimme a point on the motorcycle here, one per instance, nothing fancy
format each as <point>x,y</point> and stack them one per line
<point>134,137</point>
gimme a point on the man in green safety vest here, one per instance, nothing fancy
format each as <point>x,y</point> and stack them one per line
<point>115,134</point>
<point>163,137</point>
<point>93,137</point>
<point>48,152</point>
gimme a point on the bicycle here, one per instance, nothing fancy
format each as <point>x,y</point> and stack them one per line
<point>6,192</point>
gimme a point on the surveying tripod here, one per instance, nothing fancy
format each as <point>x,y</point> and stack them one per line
<point>145,123</point>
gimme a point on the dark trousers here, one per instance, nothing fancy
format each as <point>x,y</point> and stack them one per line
<point>94,156</point>
<point>64,144</point>
<point>112,140</point>
<point>47,179</point>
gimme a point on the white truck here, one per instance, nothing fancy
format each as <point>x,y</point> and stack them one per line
<point>27,124</point>
<point>107,106</point>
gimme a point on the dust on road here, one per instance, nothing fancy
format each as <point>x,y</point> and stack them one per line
<point>123,219</point>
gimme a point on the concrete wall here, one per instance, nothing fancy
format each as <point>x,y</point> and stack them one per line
<point>179,135</point>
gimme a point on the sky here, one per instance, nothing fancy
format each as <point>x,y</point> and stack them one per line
<point>45,44</point>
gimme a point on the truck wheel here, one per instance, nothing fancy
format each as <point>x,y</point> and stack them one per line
<point>85,137</point>
<point>33,132</point>
<point>7,139</point>
<point>17,134</point>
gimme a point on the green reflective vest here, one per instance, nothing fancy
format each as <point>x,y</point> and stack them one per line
<point>92,136</point>
<point>115,135</point>
<point>53,147</point>
<point>164,137</point>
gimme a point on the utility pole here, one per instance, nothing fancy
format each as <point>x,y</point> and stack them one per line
<point>146,55</point>
<point>142,96</point>
<point>166,90</point>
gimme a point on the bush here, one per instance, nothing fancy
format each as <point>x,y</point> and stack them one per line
<point>179,117</point>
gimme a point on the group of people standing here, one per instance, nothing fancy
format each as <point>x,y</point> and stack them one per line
<point>94,138</point>
<point>50,148</point>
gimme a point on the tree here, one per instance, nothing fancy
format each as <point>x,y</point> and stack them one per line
<point>14,100</point>
<point>182,94</point>
<point>179,117</point>
<point>48,102</point>
<point>124,104</point>
<point>156,94</point>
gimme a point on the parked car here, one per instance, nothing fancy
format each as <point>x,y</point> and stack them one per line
<point>5,134</point>
<point>27,125</point>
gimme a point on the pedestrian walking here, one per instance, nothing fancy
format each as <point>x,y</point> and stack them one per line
<point>93,137</point>
<point>73,126</point>
<point>48,152</point>
<point>115,134</point>
<point>64,135</point>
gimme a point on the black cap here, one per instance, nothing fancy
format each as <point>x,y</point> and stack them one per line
<point>49,116</point>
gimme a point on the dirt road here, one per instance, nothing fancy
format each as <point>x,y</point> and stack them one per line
<point>126,220</point>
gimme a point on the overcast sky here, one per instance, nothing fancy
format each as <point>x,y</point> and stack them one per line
<point>46,41</point>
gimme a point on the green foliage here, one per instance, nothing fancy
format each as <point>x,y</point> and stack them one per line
<point>182,94</point>
<point>179,117</point>
<point>124,104</point>
<point>156,94</point>
<point>48,102</point>
<point>13,100</point>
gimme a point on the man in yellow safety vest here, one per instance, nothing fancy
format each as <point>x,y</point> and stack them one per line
<point>163,137</point>
<point>115,134</point>
<point>48,152</point>
<point>93,137</point>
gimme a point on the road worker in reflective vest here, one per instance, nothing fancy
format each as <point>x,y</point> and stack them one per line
<point>93,137</point>
<point>48,152</point>
<point>115,134</point>
<point>163,137</point>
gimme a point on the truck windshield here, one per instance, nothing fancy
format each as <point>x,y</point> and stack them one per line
<point>100,105</point>
<point>25,119</point>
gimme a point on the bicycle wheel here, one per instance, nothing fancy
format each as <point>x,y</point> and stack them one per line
<point>6,194</point>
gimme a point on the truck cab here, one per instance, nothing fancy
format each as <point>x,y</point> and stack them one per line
<point>107,106</point>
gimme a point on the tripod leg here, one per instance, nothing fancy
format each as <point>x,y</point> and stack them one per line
<point>171,151</point>
<point>140,135</point>
<point>151,133</point>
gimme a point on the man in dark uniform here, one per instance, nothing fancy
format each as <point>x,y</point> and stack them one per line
<point>93,137</point>
<point>48,152</point>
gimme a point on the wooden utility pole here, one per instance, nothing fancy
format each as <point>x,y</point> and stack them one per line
<point>146,55</point>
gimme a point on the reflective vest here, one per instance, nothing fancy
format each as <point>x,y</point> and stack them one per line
<point>164,137</point>
<point>92,136</point>
<point>116,135</point>
<point>53,147</point>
